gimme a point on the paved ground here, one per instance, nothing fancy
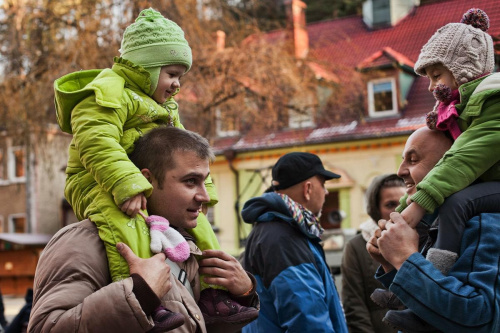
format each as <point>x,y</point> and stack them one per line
<point>12,306</point>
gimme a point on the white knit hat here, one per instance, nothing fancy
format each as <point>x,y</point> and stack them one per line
<point>464,48</point>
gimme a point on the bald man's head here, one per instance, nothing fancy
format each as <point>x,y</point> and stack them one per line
<point>423,149</point>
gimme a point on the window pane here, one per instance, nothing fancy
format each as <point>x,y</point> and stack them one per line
<point>381,87</point>
<point>228,122</point>
<point>1,164</point>
<point>19,163</point>
<point>19,224</point>
<point>383,101</point>
<point>298,120</point>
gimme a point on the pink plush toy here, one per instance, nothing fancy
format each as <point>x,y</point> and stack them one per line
<point>166,239</point>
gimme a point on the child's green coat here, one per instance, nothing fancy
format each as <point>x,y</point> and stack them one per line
<point>476,152</point>
<point>107,111</point>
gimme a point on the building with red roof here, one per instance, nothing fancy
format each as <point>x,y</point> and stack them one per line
<point>339,46</point>
<point>380,47</point>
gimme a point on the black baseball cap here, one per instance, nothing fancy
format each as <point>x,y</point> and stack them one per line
<point>296,167</point>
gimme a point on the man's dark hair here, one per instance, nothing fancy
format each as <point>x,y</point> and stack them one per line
<point>156,149</point>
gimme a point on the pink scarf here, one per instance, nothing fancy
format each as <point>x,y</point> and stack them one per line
<point>447,115</point>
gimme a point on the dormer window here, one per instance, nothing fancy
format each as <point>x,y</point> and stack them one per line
<point>302,115</point>
<point>382,97</point>
<point>300,120</point>
<point>227,124</point>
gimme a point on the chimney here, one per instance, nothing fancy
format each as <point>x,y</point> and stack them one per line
<point>220,43</point>
<point>300,36</point>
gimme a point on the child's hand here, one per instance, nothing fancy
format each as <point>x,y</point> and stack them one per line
<point>133,205</point>
<point>413,214</point>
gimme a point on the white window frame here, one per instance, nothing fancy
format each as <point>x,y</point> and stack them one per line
<point>371,98</point>
<point>218,126</point>
<point>11,165</point>
<point>11,218</point>
<point>4,178</point>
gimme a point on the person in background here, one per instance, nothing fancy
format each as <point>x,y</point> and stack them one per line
<point>284,253</point>
<point>3,321</point>
<point>20,322</point>
<point>358,268</point>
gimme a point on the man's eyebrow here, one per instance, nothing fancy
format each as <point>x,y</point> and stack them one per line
<point>409,152</point>
<point>195,175</point>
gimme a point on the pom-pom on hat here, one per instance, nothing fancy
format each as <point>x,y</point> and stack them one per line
<point>153,41</point>
<point>465,48</point>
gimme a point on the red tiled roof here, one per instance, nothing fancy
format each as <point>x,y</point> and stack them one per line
<point>330,40</point>
<point>338,133</point>
<point>383,57</point>
<point>322,73</point>
<point>347,43</point>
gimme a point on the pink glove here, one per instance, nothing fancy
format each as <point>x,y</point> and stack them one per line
<point>166,239</point>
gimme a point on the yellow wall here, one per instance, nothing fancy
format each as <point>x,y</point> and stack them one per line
<point>358,162</point>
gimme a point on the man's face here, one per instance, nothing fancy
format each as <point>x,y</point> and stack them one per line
<point>318,193</point>
<point>168,82</point>
<point>183,192</point>
<point>438,74</point>
<point>422,152</point>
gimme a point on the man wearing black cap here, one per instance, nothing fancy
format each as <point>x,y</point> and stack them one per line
<point>296,290</point>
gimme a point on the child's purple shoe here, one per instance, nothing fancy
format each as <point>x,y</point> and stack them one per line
<point>217,307</point>
<point>166,320</point>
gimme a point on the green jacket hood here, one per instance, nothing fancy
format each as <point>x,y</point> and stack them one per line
<point>106,84</point>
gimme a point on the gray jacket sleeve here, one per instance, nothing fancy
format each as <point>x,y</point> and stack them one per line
<point>73,290</point>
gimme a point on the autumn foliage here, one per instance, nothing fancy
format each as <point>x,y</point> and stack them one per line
<point>241,81</point>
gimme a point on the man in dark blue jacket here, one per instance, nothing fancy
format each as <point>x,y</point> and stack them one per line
<point>295,287</point>
<point>467,298</point>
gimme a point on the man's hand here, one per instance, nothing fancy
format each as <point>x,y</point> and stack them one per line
<point>154,271</point>
<point>224,270</point>
<point>133,205</point>
<point>374,251</point>
<point>398,240</point>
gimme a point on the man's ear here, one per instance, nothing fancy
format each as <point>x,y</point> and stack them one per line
<point>147,174</point>
<point>307,187</point>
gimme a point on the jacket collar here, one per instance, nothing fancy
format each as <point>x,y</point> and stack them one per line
<point>135,76</point>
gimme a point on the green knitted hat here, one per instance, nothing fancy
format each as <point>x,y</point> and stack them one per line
<point>153,41</point>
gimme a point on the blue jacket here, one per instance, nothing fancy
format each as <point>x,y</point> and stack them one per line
<point>468,299</point>
<point>296,289</point>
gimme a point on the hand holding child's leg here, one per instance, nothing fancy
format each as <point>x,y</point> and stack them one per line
<point>162,242</point>
<point>217,305</point>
